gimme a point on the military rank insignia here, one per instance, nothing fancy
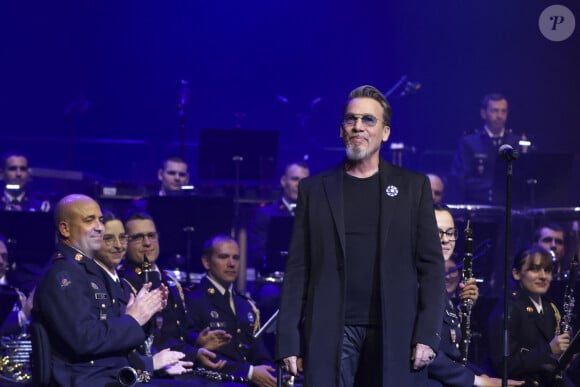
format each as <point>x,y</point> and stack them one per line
<point>78,257</point>
<point>529,309</point>
<point>211,291</point>
<point>63,279</point>
<point>214,314</point>
<point>138,270</point>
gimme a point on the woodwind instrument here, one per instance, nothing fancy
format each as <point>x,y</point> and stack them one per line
<point>568,302</point>
<point>146,275</point>
<point>467,304</point>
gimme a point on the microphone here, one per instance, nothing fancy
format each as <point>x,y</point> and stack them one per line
<point>183,97</point>
<point>508,152</point>
<point>410,88</point>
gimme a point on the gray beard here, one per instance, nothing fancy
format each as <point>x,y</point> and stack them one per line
<point>354,154</point>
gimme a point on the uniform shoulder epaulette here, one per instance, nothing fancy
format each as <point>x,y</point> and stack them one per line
<point>58,256</point>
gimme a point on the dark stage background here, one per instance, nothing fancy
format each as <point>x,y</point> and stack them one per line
<point>93,86</point>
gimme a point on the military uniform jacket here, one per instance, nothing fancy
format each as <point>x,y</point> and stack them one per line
<point>209,308</point>
<point>447,369</point>
<point>258,232</point>
<point>90,337</point>
<point>171,328</point>
<point>530,334</point>
<point>474,165</point>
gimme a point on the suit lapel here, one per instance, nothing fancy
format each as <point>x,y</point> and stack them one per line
<point>390,182</point>
<point>334,194</point>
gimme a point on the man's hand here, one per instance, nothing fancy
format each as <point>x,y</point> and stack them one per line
<point>486,381</point>
<point>560,343</point>
<point>422,356</point>
<point>205,357</point>
<point>26,302</point>
<point>262,376</point>
<point>212,340</point>
<point>147,303</point>
<point>166,358</point>
<point>290,365</point>
<point>179,368</point>
<point>469,290</point>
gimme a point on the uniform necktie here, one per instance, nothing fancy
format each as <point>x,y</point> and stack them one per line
<point>227,296</point>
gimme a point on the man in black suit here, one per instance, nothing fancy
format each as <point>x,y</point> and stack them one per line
<point>90,337</point>
<point>474,167</point>
<point>363,294</point>
<point>216,304</point>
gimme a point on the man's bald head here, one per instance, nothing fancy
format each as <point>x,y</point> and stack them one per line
<point>79,222</point>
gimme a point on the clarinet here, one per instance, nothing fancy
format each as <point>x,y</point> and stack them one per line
<point>146,275</point>
<point>568,304</point>
<point>467,304</point>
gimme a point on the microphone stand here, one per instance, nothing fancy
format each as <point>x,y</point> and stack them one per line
<point>510,155</point>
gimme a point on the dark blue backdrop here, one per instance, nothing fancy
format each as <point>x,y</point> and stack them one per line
<point>126,58</point>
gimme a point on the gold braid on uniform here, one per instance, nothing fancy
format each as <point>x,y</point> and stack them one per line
<point>179,288</point>
<point>131,286</point>
<point>257,313</point>
<point>558,317</point>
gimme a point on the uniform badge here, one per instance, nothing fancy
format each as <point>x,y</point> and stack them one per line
<point>78,257</point>
<point>211,291</point>
<point>94,286</point>
<point>251,317</point>
<point>63,279</point>
<point>392,191</point>
<point>529,309</point>
<point>138,270</point>
<point>214,314</point>
<point>453,335</point>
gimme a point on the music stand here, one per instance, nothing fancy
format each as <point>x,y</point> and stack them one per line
<point>31,236</point>
<point>569,353</point>
<point>184,223</point>
<point>544,179</point>
<point>218,148</point>
<point>7,300</point>
<point>279,234</point>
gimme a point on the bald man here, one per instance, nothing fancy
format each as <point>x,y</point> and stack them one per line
<point>91,333</point>
<point>437,187</point>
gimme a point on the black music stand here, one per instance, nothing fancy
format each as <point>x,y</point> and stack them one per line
<point>31,241</point>
<point>184,223</point>
<point>7,300</point>
<point>218,148</point>
<point>279,234</point>
<point>569,353</point>
<point>31,235</point>
<point>544,179</point>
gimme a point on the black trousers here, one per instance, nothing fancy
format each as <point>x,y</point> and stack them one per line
<point>361,360</point>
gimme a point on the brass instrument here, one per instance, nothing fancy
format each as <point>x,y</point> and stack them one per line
<point>466,304</point>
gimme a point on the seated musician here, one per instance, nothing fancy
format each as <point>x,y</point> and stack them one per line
<point>536,339</point>
<point>447,368</point>
<point>108,257</point>
<point>215,304</point>
<point>15,192</point>
<point>16,321</point>
<point>171,328</point>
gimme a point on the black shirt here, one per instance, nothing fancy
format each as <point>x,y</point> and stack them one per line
<point>361,210</point>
